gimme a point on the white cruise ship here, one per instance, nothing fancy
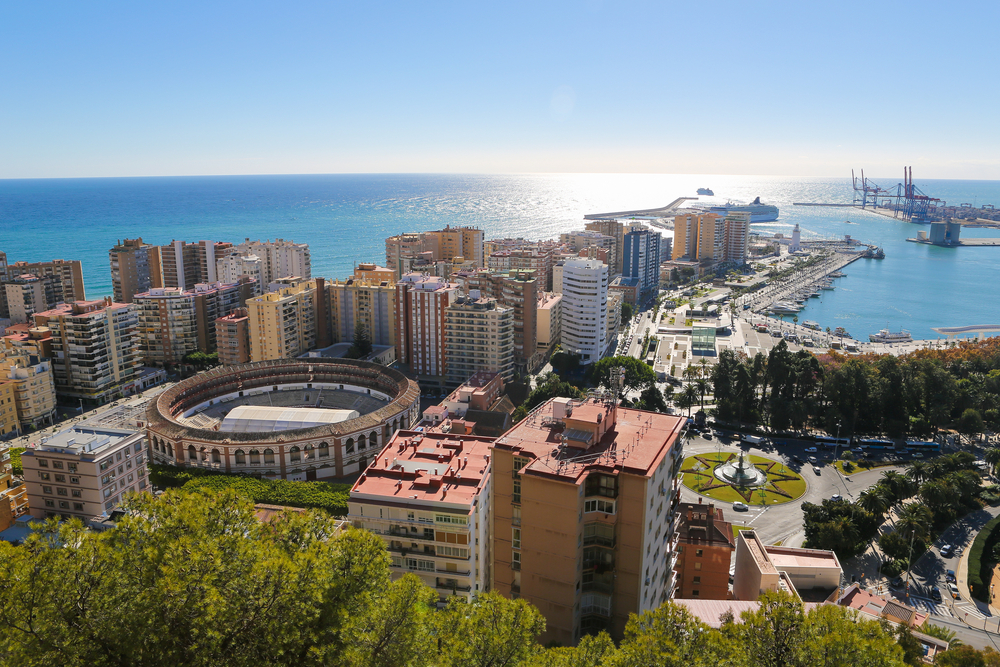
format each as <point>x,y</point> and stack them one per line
<point>886,336</point>
<point>758,212</point>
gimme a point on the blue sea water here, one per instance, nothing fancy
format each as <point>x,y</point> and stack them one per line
<point>345,219</point>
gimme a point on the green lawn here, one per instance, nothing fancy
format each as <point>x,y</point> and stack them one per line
<point>696,475</point>
<point>863,465</point>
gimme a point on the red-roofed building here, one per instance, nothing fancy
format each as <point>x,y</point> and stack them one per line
<point>584,514</point>
<point>705,550</point>
<point>428,496</point>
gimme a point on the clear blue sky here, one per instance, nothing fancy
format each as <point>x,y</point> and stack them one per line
<point>811,88</point>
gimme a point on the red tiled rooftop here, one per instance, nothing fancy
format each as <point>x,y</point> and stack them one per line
<point>631,440</point>
<point>427,466</point>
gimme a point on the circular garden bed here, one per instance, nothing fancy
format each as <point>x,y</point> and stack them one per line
<point>783,484</point>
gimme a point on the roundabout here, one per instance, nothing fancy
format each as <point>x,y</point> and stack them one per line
<point>731,477</point>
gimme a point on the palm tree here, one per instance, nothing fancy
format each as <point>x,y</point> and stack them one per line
<point>917,471</point>
<point>875,501</point>
<point>914,520</point>
<point>992,457</point>
<point>702,386</point>
<point>688,397</point>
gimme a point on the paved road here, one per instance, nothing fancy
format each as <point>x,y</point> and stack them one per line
<point>784,522</point>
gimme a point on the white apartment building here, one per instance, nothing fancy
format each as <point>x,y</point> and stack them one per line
<point>232,267</point>
<point>280,258</point>
<point>585,308</point>
<point>84,471</point>
<point>428,496</point>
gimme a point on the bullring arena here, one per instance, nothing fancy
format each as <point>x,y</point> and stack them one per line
<point>296,419</point>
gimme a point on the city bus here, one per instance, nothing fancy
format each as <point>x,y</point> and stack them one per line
<point>923,446</point>
<point>876,443</point>
<point>830,443</point>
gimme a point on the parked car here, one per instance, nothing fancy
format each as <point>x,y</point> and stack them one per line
<point>811,450</point>
<point>740,507</point>
<point>953,589</point>
<point>897,582</point>
<point>935,593</point>
<point>918,455</point>
<point>950,576</point>
<point>946,551</point>
<point>836,497</point>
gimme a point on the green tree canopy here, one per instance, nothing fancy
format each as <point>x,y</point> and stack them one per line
<point>638,374</point>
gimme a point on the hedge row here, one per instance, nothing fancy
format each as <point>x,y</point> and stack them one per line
<point>317,495</point>
<point>977,566</point>
<point>15,460</point>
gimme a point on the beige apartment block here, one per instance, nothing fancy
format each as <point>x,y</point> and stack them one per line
<point>478,336</point>
<point>428,496</point>
<point>184,265</point>
<point>27,295</point>
<point>549,321</point>
<point>363,301</point>
<point>232,337</point>
<point>66,277</point>
<point>132,267</point>
<point>515,289</point>
<point>9,421</point>
<point>84,471</point>
<point>95,348</point>
<point>444,245</point>
<point>699,238</point>
<point>174,322</point>
<point>284,324</point>
<point>34,386</point>
<point>736,237</point>
<point>810,574</point>
<point>616,230</point>
<point>583,514</point>
<point>234,268</point>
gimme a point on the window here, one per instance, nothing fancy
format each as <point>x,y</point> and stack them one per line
<point>515,517</point>
<point>63,505</point>
<point>602,485</point>
<point>516,560</point>
<point>71,467</point>
<point>107,462</point>
<point>269,456</point>
<point>61,491</point>
<point>697,566</point>
<point>77,507</point>
<point>516,538</point>
<point>49,502</point>
<point>44,476</point>
<point>42,463</point>
<point>454,552</point>
<point>324,450</point>
<point>599,533</point>
<point>241,457</point>
<point>697,553</point>
<point>254,457</point>
<point>138,447</point>
<point>519,463</point>
<point>606,506</point>
<point>349,446</point>
<point>517,491</point>
<point>61,478</point>
<point>46,489</point>
<point>448,518</point>
<point>295,455</point>
<point>697,580</point>
<point>77,493</point>
<point>57,465</point>
<point>694,593</point>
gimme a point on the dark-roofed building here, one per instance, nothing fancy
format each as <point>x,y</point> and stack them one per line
<point>705,547</point>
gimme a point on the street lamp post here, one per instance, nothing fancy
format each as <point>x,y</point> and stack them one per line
<point>836,445</point>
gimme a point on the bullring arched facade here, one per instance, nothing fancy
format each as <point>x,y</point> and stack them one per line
<point>318,452</point>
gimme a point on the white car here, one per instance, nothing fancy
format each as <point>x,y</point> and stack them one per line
<point>836,497</point>
<point>811,450</point>
<point>953,589</point>
<point>740,507</point>
<point>812,459</point>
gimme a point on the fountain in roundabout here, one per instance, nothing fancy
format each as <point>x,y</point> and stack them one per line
<point>740,473</point>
